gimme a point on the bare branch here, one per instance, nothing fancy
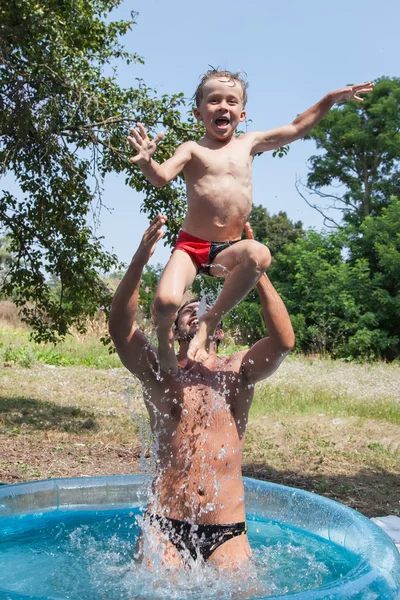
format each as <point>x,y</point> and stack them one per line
<point>328,221</point>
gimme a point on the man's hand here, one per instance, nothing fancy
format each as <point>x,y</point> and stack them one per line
<point>144,147</point>
<point>249,231</point>
<point>351,92</point>
<point>151,236</point>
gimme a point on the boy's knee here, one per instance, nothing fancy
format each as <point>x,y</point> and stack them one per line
<point>258,256</point>
<point>164,305</point>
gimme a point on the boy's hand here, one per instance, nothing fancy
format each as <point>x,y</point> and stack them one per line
<point>144,147</point>
<point>351,92</point>
<point>151,236</point>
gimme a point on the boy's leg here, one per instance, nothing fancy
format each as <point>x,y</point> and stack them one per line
<point>176,278</point>
<point>241,264</point>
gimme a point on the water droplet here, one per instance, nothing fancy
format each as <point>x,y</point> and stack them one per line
<point>185,412</point>
<point>223,452</point>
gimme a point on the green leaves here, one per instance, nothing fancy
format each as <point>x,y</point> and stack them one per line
<point>361,144</point>
<point>63,126</point>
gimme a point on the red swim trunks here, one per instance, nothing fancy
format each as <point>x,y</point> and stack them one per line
<point>201,252</point>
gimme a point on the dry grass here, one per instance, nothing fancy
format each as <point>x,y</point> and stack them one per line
<point>368,381</point>
<point>9,316</point>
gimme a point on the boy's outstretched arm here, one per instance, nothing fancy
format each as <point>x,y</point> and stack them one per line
<point>265,356</point>
<point>275,138</point>
<point>155,173</point>
<point>130,342</point>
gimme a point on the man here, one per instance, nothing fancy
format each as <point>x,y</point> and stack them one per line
<point>198,418</point>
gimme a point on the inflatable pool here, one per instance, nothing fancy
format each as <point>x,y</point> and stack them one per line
<point>74,538</point>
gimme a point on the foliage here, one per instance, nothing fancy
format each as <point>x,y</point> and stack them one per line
<point>63,126</point>
<point>377,245</point>
<point>274,230</point>
<point>341,288</point>
<point>341,307</point>
<point>361,150</point>
<point>6,259</point>
<point>150,278</point>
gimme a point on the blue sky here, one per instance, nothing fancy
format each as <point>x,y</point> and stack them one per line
<point>293,52</point>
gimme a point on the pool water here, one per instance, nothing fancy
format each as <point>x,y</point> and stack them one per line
<point>87,555</point>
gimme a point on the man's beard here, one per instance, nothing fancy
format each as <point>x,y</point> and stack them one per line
<point>186,336</point>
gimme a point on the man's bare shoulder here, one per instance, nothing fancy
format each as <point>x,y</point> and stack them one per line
<point>233,362</point>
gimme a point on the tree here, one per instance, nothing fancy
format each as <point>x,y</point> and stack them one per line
<point>361,153</point>
<point>377,244</point>
<point>6,259</point>
<point>148,287</point>
<point>274,230</point>
<point>337,306</point>
<point>63,126</point>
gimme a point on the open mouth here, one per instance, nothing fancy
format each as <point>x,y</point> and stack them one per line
<point>222,122</point>
<point>193,322</point>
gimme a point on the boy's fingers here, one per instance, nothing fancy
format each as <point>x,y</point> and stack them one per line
<point>142,130</point>
<point>133,143</point>
<point>159,137</point>
<point>135,134</point>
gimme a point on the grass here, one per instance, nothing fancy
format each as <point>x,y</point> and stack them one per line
<point>295,400</point>
<point>16,349</point>
<point>326,426</point>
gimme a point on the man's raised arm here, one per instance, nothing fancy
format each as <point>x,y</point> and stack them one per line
<point>262,359</point>
<point>131,343</point>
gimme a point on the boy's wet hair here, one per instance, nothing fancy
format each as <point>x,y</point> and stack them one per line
<point>212,73</point>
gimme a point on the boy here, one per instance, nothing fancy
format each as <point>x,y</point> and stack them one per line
<point>217,172</point>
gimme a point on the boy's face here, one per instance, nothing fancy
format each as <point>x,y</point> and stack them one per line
<point>221,108</point>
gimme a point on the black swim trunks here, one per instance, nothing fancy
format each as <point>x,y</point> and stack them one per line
<point>198,540</point>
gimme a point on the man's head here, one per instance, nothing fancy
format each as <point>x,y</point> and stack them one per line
<point>220,102</point>
<point>187,322</point>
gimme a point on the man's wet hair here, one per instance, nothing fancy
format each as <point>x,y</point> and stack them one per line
<point>192,301</point>
<point>212,73</point>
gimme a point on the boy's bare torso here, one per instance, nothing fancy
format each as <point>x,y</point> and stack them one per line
<point>199,440</point>
<point>219,188</point>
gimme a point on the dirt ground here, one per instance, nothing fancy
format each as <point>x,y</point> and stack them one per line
<point>72,422</point>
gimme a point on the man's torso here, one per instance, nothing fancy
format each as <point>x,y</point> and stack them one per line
<point>199,421</point>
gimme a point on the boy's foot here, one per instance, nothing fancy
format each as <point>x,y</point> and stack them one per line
<point>198,347</point>
<point>166,354</point>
